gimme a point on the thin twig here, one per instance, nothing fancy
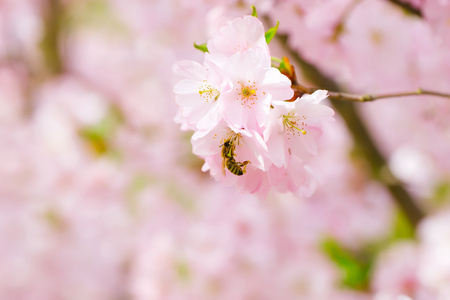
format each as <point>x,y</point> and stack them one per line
<point>369,97</point>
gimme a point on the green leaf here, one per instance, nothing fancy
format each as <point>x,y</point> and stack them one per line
<point>254,14</point>
<point>96,139</point>
<point>441,193</point>
<point>201,47</point>
<point>271,33</point>
<point>286,68</point>
<point>402,229</point>
<point>98,136</point>
<point>355,269</point>
<point>182,270</point>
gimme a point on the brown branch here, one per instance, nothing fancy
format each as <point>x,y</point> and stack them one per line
<point>50,43</point>
<point>407,7</point>
<point>299,89</point>
<point>378,167</point>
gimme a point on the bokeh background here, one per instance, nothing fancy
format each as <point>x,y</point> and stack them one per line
<point>102,199</point>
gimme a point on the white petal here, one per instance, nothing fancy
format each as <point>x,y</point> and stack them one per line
<point>315,97</point>
<point>190,69</point>
<point>277,85</point>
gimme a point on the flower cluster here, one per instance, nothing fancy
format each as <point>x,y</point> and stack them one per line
<point>245,128</point>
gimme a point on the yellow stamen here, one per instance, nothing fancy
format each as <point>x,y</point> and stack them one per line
<point>290,121</point>
<point>208,92</point>
<point>247,93</point>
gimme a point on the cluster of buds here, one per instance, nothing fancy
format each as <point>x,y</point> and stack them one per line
<point>248,128</point>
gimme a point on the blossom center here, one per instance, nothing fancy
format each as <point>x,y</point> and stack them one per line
<point>247,93</point>
<point>294,125</point>
<point>240,48</point>
<point>208,92</point>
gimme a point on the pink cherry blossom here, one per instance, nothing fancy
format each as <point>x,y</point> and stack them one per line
<point>297,177</point>
<point>253,88</point>
<point>139,220</point>
<point>294,127</point>
<point>198,94</point>
<point>434,269</point>
<point>249,146</point>
<point>237,97</point>
<point>396,271</point>
<point>240,35</point>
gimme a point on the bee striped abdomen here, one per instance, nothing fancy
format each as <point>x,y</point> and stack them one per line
<point>234,168</point>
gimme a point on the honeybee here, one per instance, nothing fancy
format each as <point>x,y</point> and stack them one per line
<point>236,168</point>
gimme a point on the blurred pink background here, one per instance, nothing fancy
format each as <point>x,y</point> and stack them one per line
<point>101,197</point>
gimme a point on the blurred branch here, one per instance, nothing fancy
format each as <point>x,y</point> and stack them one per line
<point>379,169</point>
<point>339,28</point>
<point>51,64</point>
<point>50,47</point>
<point>299,89</point>
<point>407,7</point>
